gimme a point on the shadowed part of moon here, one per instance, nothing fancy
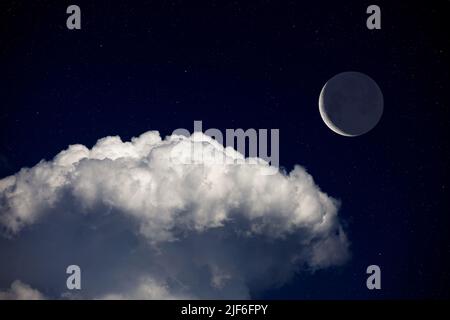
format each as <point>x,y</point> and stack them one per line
<point>351,103</point>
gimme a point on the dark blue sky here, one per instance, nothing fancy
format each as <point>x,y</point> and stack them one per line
<point>163,64</point>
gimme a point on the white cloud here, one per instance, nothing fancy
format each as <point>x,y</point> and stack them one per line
<point>20,291</point>
<point>146,289</point>
<point>205,230</point>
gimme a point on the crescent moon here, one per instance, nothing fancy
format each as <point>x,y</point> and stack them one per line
<point>351,104</point>
<point>327,119</point>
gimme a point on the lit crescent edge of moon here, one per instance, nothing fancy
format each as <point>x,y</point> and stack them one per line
<point>326,119</point>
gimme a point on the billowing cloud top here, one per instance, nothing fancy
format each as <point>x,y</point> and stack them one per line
<point>155,218</point>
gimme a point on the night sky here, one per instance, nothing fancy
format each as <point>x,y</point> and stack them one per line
<point>160,65</point>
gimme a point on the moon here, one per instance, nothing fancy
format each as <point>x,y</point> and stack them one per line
<point>351,103</point>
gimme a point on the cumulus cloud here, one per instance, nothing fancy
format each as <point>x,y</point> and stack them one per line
<point>153,218</point>
<point>146,289</point>
<point>20,291</point>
